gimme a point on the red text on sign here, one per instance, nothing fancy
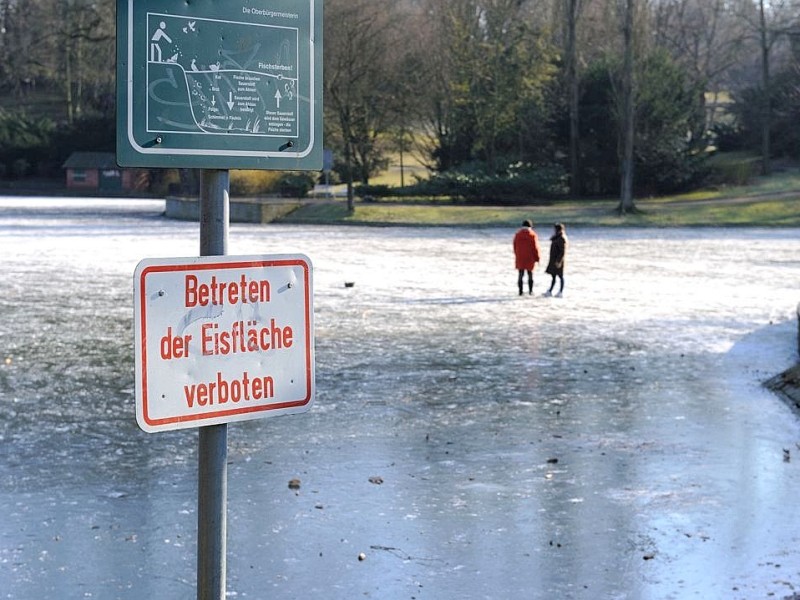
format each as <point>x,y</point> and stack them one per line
<point>216,292</point>
<point>222,391</point>
<point>174,346</point>
<point>241,338</point>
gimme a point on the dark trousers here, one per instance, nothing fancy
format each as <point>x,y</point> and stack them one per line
<point>520,279</point>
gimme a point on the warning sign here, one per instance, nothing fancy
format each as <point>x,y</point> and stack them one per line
<point>221,339</point>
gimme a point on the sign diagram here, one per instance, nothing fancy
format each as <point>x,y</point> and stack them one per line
<point>247,90</point>
<point>220,85</point>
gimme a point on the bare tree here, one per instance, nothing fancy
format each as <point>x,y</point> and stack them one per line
<point>706,39</point>
<point>489,62</point>
<point>360,37</point>
<point>65,45</point>
<point>765,44</point>
<point>437,123</point>
<point>767,23</point>
<point>26,45</point>
<point>87,34</point>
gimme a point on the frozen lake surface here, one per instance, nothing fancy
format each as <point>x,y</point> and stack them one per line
<point>473,444</point>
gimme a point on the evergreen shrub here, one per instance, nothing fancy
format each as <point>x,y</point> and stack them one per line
<point>517,183</point>
<point>295,184</point>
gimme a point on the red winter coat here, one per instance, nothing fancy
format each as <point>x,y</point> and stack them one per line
<point>526,249</point>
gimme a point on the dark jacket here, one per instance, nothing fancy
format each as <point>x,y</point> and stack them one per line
<point>558,254</point>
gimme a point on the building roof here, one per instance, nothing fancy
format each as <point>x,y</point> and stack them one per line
<point>91,160</point>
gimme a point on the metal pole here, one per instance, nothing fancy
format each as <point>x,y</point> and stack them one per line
<point>214,212</point>
<point>212,472</point>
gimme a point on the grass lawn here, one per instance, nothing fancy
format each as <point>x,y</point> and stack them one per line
<point>782,213</point>
<point>772,201</point>
<point>780,210</point>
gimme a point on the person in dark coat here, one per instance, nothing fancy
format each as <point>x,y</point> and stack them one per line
<point>526,254</point>
<point>558,253</point>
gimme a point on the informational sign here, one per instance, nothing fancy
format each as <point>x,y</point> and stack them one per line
<point>221,339</point>
<point>220,85</point>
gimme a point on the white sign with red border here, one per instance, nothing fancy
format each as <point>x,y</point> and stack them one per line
<point>221,339</point>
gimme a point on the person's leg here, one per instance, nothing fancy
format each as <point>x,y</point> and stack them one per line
<point>552,285</point>
<point>530,282</point>
<point>561,288</point>
<point>519,280</point>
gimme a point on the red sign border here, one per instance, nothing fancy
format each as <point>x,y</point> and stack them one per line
<point>166,422</point>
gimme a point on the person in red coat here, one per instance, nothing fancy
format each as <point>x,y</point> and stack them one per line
<point>526,253</point>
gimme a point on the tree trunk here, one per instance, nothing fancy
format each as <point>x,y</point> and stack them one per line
<point>78,70</point>
<point>348,161</point>
<point>766,106</point>
<point>573,10</point>
<point>626,204</point>
<point>402,167</point>
<point>68,67</point>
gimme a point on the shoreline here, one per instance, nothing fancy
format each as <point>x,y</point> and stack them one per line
<point>749,207</point>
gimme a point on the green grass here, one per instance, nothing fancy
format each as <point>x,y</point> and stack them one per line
<point>772,201</point>
<point>783,213</point>
<point>779,212</point>
<point>394,175</point>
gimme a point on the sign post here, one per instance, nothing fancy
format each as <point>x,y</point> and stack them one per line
<point>212,461</point>
<point>215,86</point>
<point>220,338</point>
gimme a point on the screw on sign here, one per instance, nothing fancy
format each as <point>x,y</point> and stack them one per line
<point>222,338</point>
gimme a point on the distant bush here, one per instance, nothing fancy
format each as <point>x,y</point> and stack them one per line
<point>748,110</point>
<point>376,191</point>
<point>516,183</point>
<point>25,142</point>
<point>728,137</point>
<point>163,182</point>
<point>295,184</point>
<point>86,134</point>
<point>252,183</point>
<point>732,169</point>
<point>36,145</point>
<point>241,182</point>
<point>20,168</point>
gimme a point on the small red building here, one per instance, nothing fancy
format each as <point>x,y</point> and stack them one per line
<point>97,171</point>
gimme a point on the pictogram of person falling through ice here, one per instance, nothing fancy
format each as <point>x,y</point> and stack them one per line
<point>155,47</point>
